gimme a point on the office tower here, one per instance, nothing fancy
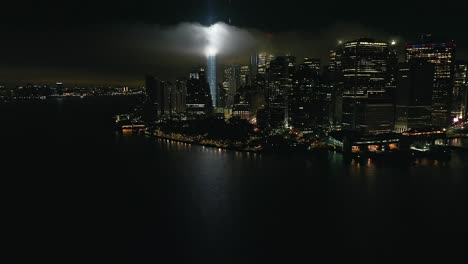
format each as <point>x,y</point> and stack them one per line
<point>414,95</point>
<point>460,90</point>
<point>198,100</point>
<point>153,93</point>
<point>392,70</point>
<point>441,54</point>
<point>259,64</point>
<point>211,73</point>
<point>231,83</point>
<point>301,97</point>
<point>158,94</point>
<point>314,65</point>
<point>178,96</point>
<point>281,74</point>
<point>335,83</point>
<point>254,66</point>
<point>223,90</point>
<point>367,104</point>
<point>245,78</point>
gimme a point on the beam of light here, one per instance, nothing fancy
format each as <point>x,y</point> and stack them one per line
<point>211,51</point>
<point>215,35</point>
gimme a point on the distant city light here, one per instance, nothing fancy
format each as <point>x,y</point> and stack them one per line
<point>456,120</point>
<point>393,42</point>
<point>340,42</point>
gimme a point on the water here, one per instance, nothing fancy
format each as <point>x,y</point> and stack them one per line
<point>74,191</point>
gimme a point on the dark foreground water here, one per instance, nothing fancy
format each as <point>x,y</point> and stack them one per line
<point>74,191</point>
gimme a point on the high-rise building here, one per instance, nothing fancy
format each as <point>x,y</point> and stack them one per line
<point>314,65</point>
<point>367,102</point>
<point>198,100</point>
<point>259,64</point>
<point>414,95</point>
<point>178,96</point>
<point>281,74</point>
<point>211,71</point>
<point>153,94</point>
<point>441,54</point>
<point>232,82</point>
<point>245,78</point>
<point>335,83</point>
<point>460,90</point>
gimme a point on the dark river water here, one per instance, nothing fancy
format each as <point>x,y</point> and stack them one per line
<point>75,191</point>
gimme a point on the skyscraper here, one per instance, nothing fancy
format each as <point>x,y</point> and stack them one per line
<point>178,96</point>
<point>367,102</point>
<point>245,78</point>
<point>460,90</point>
<point>441,54</point>
<point>198,100</point>
<point>314,65</point>
<point>211,71</point>
<point>414,95</point>
<point>259,64</point>
<point>232,82</point>
<point>153,94</point>
<point>281,74</point>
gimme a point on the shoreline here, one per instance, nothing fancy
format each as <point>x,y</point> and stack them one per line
<point>263,151</point>
<point>203,144</point>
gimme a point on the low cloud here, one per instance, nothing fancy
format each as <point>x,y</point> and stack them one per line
<point>124,53</point>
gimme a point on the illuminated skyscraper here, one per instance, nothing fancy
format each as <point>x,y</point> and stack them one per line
<point>211,74</point>
<point>367,101</point>
<point>264,60</point>
<point>231,83</point>
<point>314,66</point>
<point>259,64</point>
<point>198,99</point>
<point>245,75</point>
<point>441,54</point>
<point>460,90</point>
<point>335,79</point>
<point>281,74</point>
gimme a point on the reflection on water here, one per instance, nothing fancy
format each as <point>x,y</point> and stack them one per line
<point>151,199</point>
<point>458,142</point>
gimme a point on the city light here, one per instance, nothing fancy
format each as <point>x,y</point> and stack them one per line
<point>393,42</point>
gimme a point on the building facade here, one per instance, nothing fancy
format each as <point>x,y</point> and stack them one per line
<point>414,96</point>
<point>367,103</point>
<point>281,75</point>
<point>460,90</point>
<point>441,54</point>
<point>198,100</point>
<point>231,82</point>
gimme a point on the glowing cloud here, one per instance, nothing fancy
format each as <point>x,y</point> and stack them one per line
<point>216,34</point>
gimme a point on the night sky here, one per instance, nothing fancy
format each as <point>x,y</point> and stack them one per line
<point>117,42</point>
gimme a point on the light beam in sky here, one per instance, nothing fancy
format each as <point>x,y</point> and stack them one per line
<point>215,34</point>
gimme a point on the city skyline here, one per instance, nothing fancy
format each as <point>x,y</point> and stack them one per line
<point>57,44</point>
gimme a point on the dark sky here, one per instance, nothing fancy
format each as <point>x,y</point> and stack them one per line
<point>116,42</point>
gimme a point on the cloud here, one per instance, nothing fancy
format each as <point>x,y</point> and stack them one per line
<point>125,52</point>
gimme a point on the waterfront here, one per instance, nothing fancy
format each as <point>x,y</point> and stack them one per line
<point>74,190</point>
